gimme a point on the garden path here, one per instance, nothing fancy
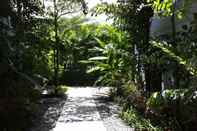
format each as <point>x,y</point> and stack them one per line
<point>86,109</point>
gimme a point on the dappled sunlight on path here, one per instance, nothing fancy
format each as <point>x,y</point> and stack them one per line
<point>86,109</point>
<point>80,112</point>
<point>50,109</point>
<point>81,126</point>
<point>80,106</point>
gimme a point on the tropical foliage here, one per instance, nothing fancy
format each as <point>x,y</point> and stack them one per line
<point>158,63</point>
<point>154,77</point>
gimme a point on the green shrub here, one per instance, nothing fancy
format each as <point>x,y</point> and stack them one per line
<point>178,107</point>
<point>61,89</point>
<point>167,98</point>
<point>122,94</point>
<point>128,88</point>
<point>137,121</point>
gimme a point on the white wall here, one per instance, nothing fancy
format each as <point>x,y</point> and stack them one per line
<point>163,25</point>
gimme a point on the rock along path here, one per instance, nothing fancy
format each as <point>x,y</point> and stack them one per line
<point>86,109</point>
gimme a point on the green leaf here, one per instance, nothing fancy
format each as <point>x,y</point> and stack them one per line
<point>94,69</point>
<point>101,43</point>
<point>86,62</point>
<point>171,54</point>
<point>98,58</point>
<point>97,49</point>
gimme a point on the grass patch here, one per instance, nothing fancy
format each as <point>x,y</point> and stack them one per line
<point>136,120</point>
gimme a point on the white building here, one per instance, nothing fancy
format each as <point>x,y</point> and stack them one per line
<point>163,25</point>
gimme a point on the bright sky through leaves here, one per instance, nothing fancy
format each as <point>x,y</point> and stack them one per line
<point>100,18</point>
<point>91,4</point>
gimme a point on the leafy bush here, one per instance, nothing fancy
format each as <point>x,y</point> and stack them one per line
<point>167,98</point>
<point>127,89</point>
<point>61,89</point>
<point>177,106</point>
<point>134,119</point>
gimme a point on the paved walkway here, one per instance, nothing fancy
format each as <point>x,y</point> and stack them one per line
<point>86,109</point>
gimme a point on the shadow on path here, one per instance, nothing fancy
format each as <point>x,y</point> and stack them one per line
<point>48,114</point>
<point>79,109</point>
<point>85,109</point>
<point>109,112</point>
<point>105,107</point>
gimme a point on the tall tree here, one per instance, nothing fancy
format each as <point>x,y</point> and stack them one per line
<point>59,9</point>
<point>133,16</point>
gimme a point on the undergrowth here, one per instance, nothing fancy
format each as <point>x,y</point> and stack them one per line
<point>136,120</point>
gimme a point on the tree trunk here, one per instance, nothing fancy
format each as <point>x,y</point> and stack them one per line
<point>174,44</point>
<point>56,46</point>
<point>153,78</point>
